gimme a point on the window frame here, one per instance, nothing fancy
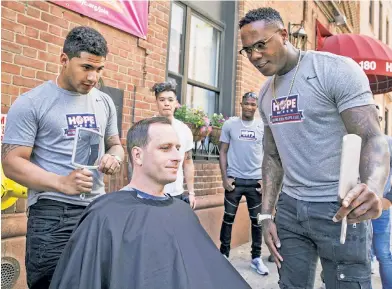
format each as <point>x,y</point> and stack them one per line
<point>380,22</point>
<point>185,80</point>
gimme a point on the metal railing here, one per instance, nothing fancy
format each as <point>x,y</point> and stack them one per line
<point>205,150</point>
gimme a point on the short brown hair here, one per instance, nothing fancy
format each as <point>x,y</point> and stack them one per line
<point>138,134</point>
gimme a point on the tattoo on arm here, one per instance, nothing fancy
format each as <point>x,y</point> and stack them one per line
<point>112,141</point>
<point>188,155</point>
<point>374,164</point>
<point>272,172</point>
<point>6,149</point>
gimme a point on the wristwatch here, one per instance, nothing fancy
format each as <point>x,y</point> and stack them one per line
<point>262,217</point>
<point>117,158</point>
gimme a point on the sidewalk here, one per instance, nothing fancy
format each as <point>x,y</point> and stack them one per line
<point>240,258</point>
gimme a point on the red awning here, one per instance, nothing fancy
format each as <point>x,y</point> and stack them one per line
<point>322,33</point>
<point>372,55</point>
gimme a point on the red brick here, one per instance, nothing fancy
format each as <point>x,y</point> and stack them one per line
<point>54,20</point>
<point>57,11</point>
<point>30,42</point>
<point>123,53</point>
<point>10,68</point>
<point>4,109</point>
<point>47,57</point>
<point>33,12</point>
<point>25,82</point>
<point>121,77</point>
<point>77,18</point>
<point>46,76</point>
<point>13,5</point>
<point>142,105</point>
<point>7,35</point>
<point>122,85</point>
<point>51,38</point>
<point>30,52</point>
<point>9,89</point>
<point>8,25</point>
<point>123,69</point>
<point>55,30</point>
<point>6,78</point>
<point>24,61</point>
<point>5,100</point>
<point>114,50</point>
<point>28,72</point>
<point>8,14</point>
<point>40,25</point>
<point>110,82</point>
<point>12,47</point>
<point>54,49</point>
<point>31,32</point>
<point>52,67</point>
<point>40,5</point>
<point>23,90</point>
<point>111,66</point>
<point>161,22</point>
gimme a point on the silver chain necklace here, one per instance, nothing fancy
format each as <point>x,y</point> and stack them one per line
<point>291,85</point>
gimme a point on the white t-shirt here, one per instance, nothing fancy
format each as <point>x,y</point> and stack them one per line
<point>186,141</point>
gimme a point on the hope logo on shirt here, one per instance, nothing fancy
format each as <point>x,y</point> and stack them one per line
<point>86,120</point>
<point>285,110</point>
<point>247,135</point>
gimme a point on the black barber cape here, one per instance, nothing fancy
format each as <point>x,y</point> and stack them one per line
<point>126,242</point>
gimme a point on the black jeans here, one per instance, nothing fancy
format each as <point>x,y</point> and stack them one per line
<point>231,203</point>
<point>49,227</point>
<point>307,232</point>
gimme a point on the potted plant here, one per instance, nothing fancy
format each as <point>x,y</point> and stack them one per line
<point>217,122</point>
<point>196,120</point>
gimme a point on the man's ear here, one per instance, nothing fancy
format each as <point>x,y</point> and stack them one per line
<point>285,34</point>
<point>137,156</point>
<point>63,59</point>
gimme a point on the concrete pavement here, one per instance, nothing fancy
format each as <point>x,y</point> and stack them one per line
<point>240,258</point>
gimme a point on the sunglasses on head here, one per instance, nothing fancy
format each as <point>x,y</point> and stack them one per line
<point>250,94</point>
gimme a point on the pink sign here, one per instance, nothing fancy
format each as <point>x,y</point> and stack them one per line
<point>130,16</point>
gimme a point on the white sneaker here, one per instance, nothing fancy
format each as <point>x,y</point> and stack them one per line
<point>374,265</point>
<point>259,266</point>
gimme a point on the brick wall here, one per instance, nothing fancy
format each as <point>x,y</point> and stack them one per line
<point>33,33</point>
<point>208,179</point>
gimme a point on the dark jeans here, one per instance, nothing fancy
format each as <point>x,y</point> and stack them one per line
<point>49,227</point>
<point>306,232</point>
<point>231,203</point>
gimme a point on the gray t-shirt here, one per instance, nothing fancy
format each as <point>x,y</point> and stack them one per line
<point>245,154</point>
<point>308,129</point>
<point>46,118</point>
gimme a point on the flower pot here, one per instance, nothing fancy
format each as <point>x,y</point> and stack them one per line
<point>199,133</point>
<point>215,135</point>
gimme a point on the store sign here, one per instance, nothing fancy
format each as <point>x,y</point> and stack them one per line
<point>129,16</point>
